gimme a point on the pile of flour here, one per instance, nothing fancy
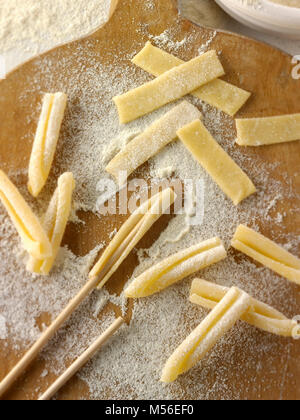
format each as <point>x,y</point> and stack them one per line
<point>30,27</point>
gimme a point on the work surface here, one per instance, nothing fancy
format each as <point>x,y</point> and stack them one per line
<point>274,369</point>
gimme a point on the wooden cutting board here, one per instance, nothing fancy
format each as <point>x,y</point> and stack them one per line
<point>266,72</point>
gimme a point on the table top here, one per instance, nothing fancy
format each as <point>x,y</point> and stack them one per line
<point>249,364</point>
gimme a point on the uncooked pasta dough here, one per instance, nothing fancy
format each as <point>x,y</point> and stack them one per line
<point>290,3</point>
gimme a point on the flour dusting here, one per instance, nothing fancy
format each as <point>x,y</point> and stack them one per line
<point>129,366</point>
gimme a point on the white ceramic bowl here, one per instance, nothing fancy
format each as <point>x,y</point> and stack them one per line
<point>267,16</point>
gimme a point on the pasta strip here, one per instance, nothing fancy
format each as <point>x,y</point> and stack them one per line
<point>176,267</point>
<point>220,320</point>
<point>33,236</point>
<point>224,171</point>
<point>130,234</point>
<point>269,130</point>
<point>55,222</point>
<point>261,316</point>
<point>45,142</point>
<point>170,86</point>
<point>267,252</point>
<point>222,95</point>
<point>152,140</point>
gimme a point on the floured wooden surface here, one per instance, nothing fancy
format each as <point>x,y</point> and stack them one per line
<point>247,363</point>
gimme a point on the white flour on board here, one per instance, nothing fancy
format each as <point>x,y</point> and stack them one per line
<point>31,27</point>
<point>55,20</point>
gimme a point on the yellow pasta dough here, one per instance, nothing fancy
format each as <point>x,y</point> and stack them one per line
<point>130,234</point>
<point>170,86</point>
<point>267,253</point>
<point>152,140</point>
<point>224,171</point>
<point>177,267</point>
<point>220,320</point>
<point>45,142</point>
<point>220,94</point>
<point>261,316</point>
<point>33,236</point>
<point>269,130</point>
<point>55,222</point>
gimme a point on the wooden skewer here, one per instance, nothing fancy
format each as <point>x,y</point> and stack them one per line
<point>22,365</point>
<point>82,360</point>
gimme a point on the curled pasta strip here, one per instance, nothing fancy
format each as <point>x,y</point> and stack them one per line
<point>177,267</point>
<point>130,234</point>
<point>262,316</point>
<point>45,142</point>
<point>267,252</point>
<point>194,348</point>
<point>55,221</point>
<point>33,236</point>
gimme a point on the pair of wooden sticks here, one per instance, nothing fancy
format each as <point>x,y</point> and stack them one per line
<point>82,360</point>
<point>23,364</point>
<point>123,243</point>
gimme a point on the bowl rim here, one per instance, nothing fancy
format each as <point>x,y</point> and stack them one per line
<point>276,23</point>
<point>283,15</point>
